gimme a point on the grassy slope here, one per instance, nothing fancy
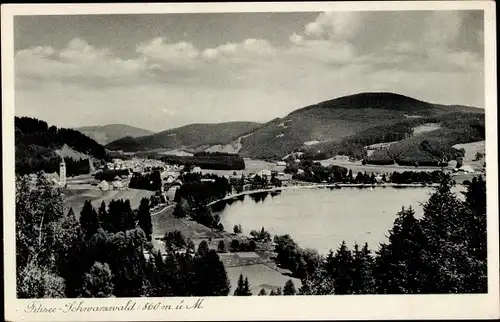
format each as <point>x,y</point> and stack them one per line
<point>111,132</point>
<point>189,136</point>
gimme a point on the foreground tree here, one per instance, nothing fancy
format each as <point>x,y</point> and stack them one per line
<point>289,288</point>
<point>456,241</point>
<point>89,219</point>
<point>210,277</point>
<point>243,287</point>
<point>97,282</point>
<point>400,263</point>
<point>144,218</point>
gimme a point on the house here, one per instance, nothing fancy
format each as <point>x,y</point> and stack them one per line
<point>104,185</point>
<point>169,179</point>
<point>466,169</point>
<point>196,170</point>
<point>117,184</point>
<point>265,172</point>
<point>281,163</point>
<point>207,180</point>
<point>300,171</point>
<point>52,177</point>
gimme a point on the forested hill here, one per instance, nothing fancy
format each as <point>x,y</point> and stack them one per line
<point>189,136</point>
<point>36,143</point>
<point>387,101</point>
<point>324,125</point>
<point>104,134</point>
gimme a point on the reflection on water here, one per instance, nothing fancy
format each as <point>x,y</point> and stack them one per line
<point>322,218</point>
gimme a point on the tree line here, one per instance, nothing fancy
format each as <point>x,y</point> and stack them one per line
<point>208,160</point>
<point>317,173</point>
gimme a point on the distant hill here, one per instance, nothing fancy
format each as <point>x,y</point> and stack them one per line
<point>40,147</point>
<point>191,136</point>
<point>330,122</point>
<point>343,125</point>
<point>104,134</point>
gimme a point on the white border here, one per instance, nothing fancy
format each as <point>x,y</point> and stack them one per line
<point>263,308</point>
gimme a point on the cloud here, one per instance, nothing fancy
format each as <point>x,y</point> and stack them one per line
<point>169,54</point>
<point>246,51</point>
<point>176,82</point>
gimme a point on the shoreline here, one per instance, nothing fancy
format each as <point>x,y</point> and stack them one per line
<point>326,185</point>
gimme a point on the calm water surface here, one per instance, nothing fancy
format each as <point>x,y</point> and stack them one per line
<point>323,218</point>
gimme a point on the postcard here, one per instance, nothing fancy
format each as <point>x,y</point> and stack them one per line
<point>250,161</point>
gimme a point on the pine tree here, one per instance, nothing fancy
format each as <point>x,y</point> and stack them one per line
<point>453,241</point>
<point>210,277</point>
<point>240,287</point>
<point>246,290</point>
<point>362,270</point>
<point>343,267</point>
<point>262,292</point>
<point>89,220</point>
<point>203,248</point>
<point>243,287</point>
<point>400,265</point>
<point>221,247</point>
<point>289,288</point>
<point>144,218</point>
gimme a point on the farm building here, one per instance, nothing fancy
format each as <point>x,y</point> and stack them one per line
<point>104,185</point>
<point>466,169</point>
<point>265,172</point>
<point>281,163</point>
<point>52,177</point>
<point>117,184</point>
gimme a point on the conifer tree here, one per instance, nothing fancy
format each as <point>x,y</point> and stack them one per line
<point>262,292</point>
<point>144,218</point>
<point>400,265</point>
<point>89,220</point>
<point>209,274</point>
<point>342,273</point>
<point>289,288</point>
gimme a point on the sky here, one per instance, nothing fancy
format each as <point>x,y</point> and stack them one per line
<point>167,70</point>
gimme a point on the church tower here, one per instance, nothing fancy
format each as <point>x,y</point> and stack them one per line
<point>62,173</point>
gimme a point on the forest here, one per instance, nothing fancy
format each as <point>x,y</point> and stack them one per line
<point>102,253</point>
<point>36,142</point>
<point>208,160</point>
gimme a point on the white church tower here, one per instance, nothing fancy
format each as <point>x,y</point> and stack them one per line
<point>62,173</point>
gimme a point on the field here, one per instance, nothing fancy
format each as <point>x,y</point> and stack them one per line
<point>471,149</point>
<point>76,197</point>
<point>258,267</point>
<point>357,166</point>
<point>251,166</point>
<point>259,276</point>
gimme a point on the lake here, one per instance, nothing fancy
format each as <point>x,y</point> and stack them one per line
<point>322,218</point>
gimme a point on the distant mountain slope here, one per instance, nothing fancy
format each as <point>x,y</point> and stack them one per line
<point>40,147</point>
<point>190,136</point>
<point>332,121</point>
<point>111,132</point>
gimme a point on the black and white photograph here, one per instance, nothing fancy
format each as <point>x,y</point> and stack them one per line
<point>263,153</point>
